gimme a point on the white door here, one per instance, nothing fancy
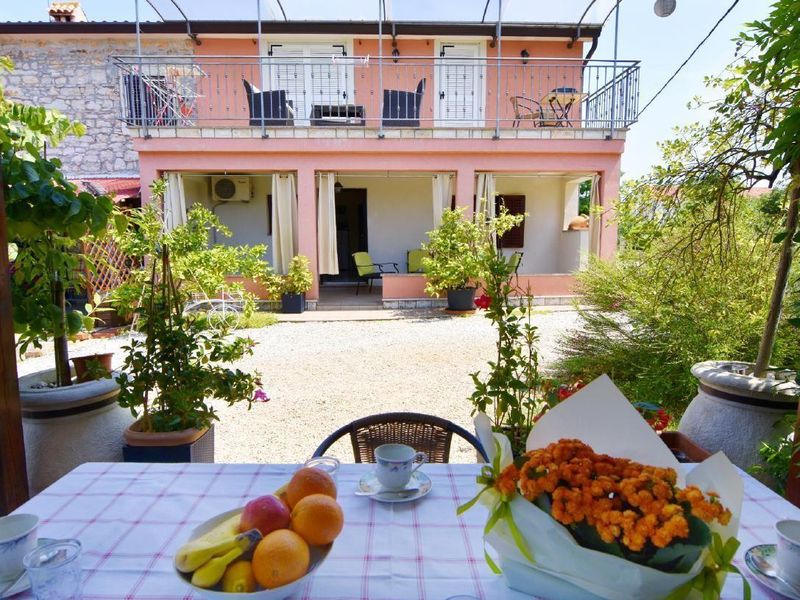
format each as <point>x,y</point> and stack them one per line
<point>460,85</point>
<point>311,76</point>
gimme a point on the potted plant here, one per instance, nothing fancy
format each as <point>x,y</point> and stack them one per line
<point>293,286</point>
<point>65,422</point>
<point>170,377</point>
<point>457,255</point>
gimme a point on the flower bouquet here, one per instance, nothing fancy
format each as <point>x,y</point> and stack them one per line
<point>598,507</point>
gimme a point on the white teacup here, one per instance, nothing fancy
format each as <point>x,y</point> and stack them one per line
<point>17,538</point>
<point>396,464</point>
<point>789,550</point>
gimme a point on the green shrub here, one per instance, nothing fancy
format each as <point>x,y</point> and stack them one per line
<point>298,280</point>
<point>658,309</point>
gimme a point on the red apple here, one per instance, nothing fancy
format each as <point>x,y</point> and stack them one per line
<point>265,513</point>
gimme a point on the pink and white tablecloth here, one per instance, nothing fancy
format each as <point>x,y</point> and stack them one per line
<point>131,518</point>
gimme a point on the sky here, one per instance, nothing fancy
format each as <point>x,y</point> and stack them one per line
<point>661,44</point>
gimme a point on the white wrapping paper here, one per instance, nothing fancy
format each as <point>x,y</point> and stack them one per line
<point>600,416</point>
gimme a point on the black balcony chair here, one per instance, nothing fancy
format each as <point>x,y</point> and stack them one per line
<point>401,108</point>
<point>278,111</point>
<point>425,433</point>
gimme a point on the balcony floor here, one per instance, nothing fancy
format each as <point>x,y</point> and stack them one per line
<point>555,133</point>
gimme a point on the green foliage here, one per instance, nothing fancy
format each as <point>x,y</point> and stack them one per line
<point>458,250</point>
<point>657,309</point>
<point>181,361</point>
<point>259,320</point>
<point>777,456</point>
<point>298,280</point>
<point>200,268</point>
<point>47,220</point>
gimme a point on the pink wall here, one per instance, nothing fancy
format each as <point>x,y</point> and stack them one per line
<point>223,101</point>
<point>307,156</point>
<point>405,286</point>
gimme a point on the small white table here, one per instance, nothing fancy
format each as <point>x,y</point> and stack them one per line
<point>131,518</point>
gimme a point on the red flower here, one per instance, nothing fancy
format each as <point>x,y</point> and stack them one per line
<point>483,301</point>
<point>661,421</point>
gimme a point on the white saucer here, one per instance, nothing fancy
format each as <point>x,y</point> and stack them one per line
<point>767,551</point>
<point>369,484</point>
<point>24,584</point>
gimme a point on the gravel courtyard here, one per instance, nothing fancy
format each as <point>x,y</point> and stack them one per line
<point>322,374</point>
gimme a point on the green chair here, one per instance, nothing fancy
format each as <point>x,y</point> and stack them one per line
<point>515,261</point>
<point>369,271</point>
<point>414,260</point>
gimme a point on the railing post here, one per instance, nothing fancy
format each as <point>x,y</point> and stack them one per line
<point>381,134</point>
<point>261,76</point>
<point>499,33</point>
<point>614,72</point>
<point>142,108</point>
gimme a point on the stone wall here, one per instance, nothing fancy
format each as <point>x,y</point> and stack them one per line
<point>75,76</point>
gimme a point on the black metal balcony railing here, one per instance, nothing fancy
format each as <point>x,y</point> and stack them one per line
<point>378,93</point>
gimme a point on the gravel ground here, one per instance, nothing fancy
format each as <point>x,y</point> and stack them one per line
<point>321,375</point>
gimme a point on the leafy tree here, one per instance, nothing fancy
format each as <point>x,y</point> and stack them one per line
<point>48,219</point>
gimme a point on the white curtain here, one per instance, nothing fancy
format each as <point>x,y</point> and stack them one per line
<point>594,217</point>
<point>571,202</point>
<point>284,221</point>
<point>174,202</point>
<point>442,196</point>
<point>484,195</point>
<point>326,226</point>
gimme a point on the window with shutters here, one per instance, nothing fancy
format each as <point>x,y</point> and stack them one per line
<point>515,205</point>
<point>460,82</point>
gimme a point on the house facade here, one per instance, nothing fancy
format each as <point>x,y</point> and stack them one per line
<point>330,138</point>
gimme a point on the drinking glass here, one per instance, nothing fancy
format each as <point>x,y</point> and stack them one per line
<point>329,464</point>
<point>55,571</point>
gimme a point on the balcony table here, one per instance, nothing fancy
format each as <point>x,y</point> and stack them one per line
<point>131,518</point>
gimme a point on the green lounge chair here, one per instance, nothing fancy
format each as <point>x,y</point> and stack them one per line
<point>515,261</point>
<point>414,260</point>
<point>369,271</point>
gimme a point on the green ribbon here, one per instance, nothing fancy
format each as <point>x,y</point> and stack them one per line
<point>500,511</point>
<point>707,581</point>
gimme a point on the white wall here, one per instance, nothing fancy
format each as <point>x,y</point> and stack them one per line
<point>399,214</point>
<point>547,248</point>
<point>248,221</point>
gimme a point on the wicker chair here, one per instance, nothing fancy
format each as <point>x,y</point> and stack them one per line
<point>425,433</point>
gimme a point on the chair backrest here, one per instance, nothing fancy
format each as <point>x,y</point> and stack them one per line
<point>403,105</point>
<point>364,264</point>
<point>421,88</point>
<point>515,261</point>
<point>425,433</point>
<point>274,103</point>
<point>414,260</point>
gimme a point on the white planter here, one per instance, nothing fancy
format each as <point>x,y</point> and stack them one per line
<point>734,413</point>
<point>66,427</point>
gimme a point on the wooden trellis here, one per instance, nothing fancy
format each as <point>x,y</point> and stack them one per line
<point>112,267</point>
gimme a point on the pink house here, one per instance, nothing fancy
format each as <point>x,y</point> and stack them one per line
<point>325,138</point>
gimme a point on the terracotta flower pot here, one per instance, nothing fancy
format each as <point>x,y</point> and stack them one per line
<point>81,364</point>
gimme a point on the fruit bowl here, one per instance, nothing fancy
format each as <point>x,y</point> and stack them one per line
<point>318,556</point>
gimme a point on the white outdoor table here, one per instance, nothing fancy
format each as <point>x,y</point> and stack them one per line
<point>131,518</point>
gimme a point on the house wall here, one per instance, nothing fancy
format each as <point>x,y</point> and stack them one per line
<point>73,75</point>
<point>547,248</point>
<point>399,214</point>
<point>248,221</point>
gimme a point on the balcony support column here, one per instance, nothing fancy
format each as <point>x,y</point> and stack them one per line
<point>609,194</point>
<point>465,190</point>
<point>307,223</point>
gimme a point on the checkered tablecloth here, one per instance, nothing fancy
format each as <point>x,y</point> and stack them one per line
<point>131,518</point>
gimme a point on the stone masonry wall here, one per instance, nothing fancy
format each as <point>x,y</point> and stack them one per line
<point>75,76</point>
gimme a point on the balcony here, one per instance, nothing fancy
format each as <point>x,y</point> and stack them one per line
<point>367,96</point>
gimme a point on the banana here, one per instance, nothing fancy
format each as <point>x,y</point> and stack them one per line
<point>210,573</point>
<point>196,553</point>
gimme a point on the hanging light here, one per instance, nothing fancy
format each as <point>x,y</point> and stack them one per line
<point>337,187</point>
<point>395,55</point>
<point>664,8</point>
<point>525,56</point>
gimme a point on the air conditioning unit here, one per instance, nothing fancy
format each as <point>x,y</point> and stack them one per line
<point>230,189</point>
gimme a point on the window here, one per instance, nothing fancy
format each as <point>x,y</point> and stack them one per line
<point>515,205</point>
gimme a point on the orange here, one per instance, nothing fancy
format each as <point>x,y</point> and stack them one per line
<point>280,558</point>
<point>307,481</point>
<point>318,519</point>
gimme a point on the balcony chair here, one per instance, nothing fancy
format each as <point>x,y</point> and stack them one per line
<point>515,261</point>
<point>528,109</point>
<point>369,271</point>
<point>414,260</point>
<point>401,108</point>
<point>425,433</point>
<point>278,111</point>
